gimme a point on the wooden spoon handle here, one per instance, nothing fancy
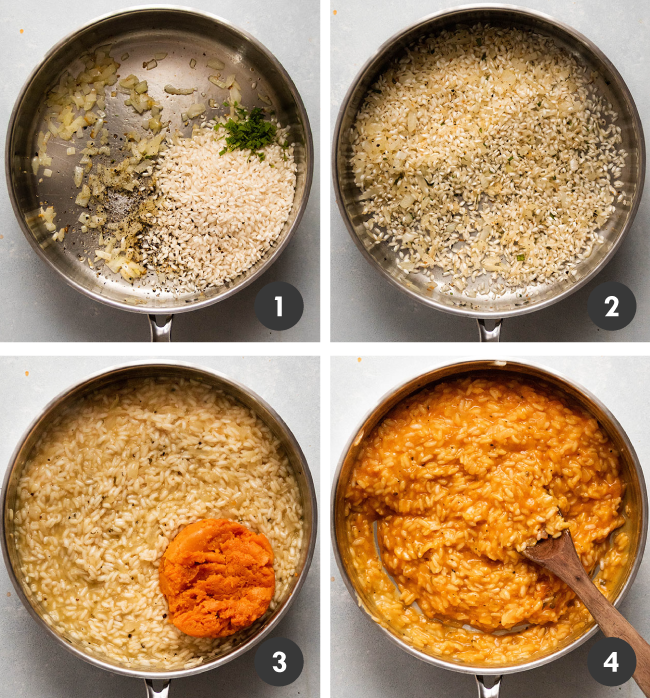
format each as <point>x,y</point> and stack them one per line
<point>611,622</point>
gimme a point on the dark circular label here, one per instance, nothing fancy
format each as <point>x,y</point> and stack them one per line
<point>279,661</point>
<point>611,661</point>
<point>611,306</point>
<point>279,305</point>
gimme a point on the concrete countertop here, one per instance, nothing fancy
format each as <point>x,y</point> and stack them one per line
<point>364,663</point>
<point>33,664</point>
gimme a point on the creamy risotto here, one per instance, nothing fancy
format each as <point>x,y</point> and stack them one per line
<point>456,481</point>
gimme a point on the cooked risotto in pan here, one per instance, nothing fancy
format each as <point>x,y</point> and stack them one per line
<point>454,483</point>
<point>110,485</point>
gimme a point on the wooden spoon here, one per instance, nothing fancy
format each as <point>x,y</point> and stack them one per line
<point>560,557</point>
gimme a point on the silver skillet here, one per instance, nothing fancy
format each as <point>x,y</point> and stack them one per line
<point>141,32</point>
<point>609,83</point>
<point>635,502</point>
<point>118,375</point>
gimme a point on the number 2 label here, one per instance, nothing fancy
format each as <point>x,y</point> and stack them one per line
<point>612,311</point>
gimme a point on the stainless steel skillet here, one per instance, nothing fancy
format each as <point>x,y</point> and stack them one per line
<point>635,506</point>
<point>183,34</point>
<point>117,376</point>
<point>609,84</point>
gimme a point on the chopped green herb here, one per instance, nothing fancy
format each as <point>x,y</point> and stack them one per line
<point>479,42</point>
<point>484,56</point>
<point>510,158</point>
<point>521,257</point>
<point>372,89</point>
<point>539,104</point>
<point>250,132</point>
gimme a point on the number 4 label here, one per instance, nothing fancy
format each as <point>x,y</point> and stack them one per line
<point>612,661</point>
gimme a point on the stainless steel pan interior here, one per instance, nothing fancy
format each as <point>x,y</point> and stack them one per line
<point>142,32</point>
<point>116,376</point>
<point>635,501</point>
<point>609,83</point>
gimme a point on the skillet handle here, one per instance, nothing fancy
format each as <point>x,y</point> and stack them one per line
<point>161,692</point>
<point>161,328</point>
<point>486,335</point>
<point>484,691</point>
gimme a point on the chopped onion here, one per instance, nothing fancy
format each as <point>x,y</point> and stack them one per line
<point>83,197</point>
<point>235,95</point>
<point>129,82</point>
<point>35,164</point>
<point>141,87</point>
<point>70,151</point>
<point>264,98</point>
<point>48,216</point>
<point>192,63</point>
<point>150,65</point>
<point>170,89</point>
<point>195,110</point>
<point>160,56</point>
<point>97,128</point>
<point>47,173</point>
<point>229,80</point>
<point>215,81</point>
<point>216,64</point>
<point>124,56</point>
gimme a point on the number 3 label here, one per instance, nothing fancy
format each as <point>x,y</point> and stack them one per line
<point>279,661</point>
<point>282,661</point>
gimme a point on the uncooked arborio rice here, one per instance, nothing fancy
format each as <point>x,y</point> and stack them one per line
<point>113,481</point>
<point>487,153</point>
<point>217,214</point>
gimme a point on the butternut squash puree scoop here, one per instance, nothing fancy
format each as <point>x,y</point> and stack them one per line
<point>218,578</point>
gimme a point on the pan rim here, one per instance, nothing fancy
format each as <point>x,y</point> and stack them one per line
<point>460,366</point>
<point>430,302</point>
<point>147,308</point>
<point>124,369</point>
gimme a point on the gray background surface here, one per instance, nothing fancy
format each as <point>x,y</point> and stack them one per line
<point>365,664</point>
<point>37,305</point>
<point>367,308</point>
<point>34,665</point>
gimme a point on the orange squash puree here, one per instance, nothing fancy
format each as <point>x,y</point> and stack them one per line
<point>218,578</point>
